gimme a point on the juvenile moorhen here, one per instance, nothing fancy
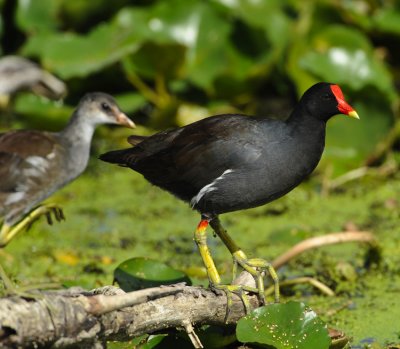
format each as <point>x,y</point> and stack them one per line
<point>227,163</point>
<point>35,164</point>
<point>18,73</point>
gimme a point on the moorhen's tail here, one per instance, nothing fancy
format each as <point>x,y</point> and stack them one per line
<point>120,157</point>
<point>135,139</point>
<point>123,157</point>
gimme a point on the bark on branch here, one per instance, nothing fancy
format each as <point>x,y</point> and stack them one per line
<point>77,318</point>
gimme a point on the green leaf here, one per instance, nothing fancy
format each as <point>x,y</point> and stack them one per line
<point>345,56</point>
<point>42,113</point>
<point>130,102</point>
<point>387,21</point>
<point>198,27</point>
<point>138,273</point>
<point>37,16</point>
<point>138,342</point>
<point>284,326</point>
<point>147,60</point>
<point>153,341</point>
<point>193,39</point>
<point>277,27</point>
<point>349,141</point>
<point>72,55</point>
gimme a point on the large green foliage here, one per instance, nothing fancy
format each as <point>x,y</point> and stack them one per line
<point>172,61</point>
<point>179,56</point>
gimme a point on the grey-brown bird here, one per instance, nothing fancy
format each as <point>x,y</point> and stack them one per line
<point>35,164</point>
<point>18,74</point>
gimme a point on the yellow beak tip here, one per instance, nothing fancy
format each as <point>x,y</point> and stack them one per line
<point>353,114</point>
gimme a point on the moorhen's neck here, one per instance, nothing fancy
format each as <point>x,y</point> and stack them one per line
<point>76,139</point>
<point>79,131</point>
<point>301,115</point>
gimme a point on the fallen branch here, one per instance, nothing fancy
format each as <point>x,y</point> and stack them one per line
<point>318,241</point>
<point>77,318</point>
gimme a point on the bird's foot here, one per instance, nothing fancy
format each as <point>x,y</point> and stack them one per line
<point>8,232</point>
<point>239,290</point>
<point>46,210</point>
<point>258,268</point>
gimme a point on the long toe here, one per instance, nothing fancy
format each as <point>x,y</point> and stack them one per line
<point>258,268</point>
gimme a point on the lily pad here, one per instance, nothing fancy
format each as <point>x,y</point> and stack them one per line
<point>284,326</point>
<point>139,273</point>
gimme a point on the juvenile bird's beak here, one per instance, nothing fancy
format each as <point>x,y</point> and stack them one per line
<point>123,120</point>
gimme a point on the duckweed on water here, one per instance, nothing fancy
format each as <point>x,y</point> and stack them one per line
<point>122,217</point>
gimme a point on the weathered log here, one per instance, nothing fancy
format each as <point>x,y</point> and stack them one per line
<point>78,318</point>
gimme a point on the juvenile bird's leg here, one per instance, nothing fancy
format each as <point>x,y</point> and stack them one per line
<point>255,266</point>
<point>8,232</point>
<point>200,237</point>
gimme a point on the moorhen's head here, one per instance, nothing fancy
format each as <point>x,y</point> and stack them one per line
<point>324,100</point>
<point>100,108</point>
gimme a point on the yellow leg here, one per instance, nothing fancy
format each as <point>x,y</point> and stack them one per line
<point>7,232</point>
<point>200,237</point>
<point>256,266</point>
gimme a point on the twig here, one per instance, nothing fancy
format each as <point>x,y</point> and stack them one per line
<point>347,177</point>
<point>102,304</point>
<point>318,241</point>
<point>388,168</point>
<point>332,312</point>
<point>192,334</point>
<point>305,279</point>
<point>138,83</point>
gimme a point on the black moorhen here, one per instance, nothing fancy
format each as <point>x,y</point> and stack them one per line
<point>18,73</point>
<point>227,163</point>
<point>35,164</point>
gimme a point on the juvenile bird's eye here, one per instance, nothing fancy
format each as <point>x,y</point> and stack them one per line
<point>105,106</point>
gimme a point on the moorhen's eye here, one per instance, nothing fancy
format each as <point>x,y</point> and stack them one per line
<point>327,96</point>
<point>105,106</point>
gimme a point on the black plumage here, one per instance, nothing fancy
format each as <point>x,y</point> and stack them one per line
<point>231,162</point>
<point>227,163</point>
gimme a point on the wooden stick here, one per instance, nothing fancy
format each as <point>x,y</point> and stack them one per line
<point>318,241</point>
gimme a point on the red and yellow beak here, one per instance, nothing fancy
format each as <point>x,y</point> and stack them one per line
<point>343,106</point>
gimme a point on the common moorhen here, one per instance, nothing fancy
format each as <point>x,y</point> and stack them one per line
<point>18,73</point>
<point>227,163</point>
<point>35,164</point>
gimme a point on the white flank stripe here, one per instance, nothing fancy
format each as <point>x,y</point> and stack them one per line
<point>208,188</point>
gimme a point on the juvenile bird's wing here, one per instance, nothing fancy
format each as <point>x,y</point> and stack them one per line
<point>27,160</point>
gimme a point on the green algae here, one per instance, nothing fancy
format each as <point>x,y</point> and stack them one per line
<point>113,214</point>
